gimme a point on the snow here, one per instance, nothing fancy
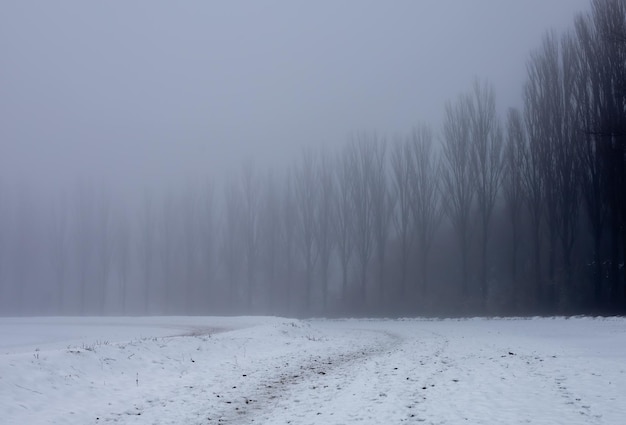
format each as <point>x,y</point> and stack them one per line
<point>221,370</point>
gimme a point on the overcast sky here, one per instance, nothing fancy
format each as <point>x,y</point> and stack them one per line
<point>151,93</point>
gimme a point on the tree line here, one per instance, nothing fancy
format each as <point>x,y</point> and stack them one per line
<point>520,214</point>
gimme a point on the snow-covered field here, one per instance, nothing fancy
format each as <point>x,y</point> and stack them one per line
<point>205,370</point>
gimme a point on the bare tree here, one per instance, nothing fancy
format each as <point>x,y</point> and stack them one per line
<point>402,167</point>
<point>592,150</point>
<point>512,184</point>
<point>362,151</point>
<point>289,227</point>
<point>25,250</point>
<point>307,203</point>
<point>168,248</point>
<point>190,246</point>
<point>5,226</point>
<point>426,205</point>
<point>250,217</point>
<point>324,221</point>
<point>533,185</point>
<point>550,102</point>
<point>486,136</point>
<point>59,251</point>
<point>568,161</point>
<point>344,214</point>
<point>459,177</point>
<point>122,259</point>
<point>84,228</point>
<point>271,232</point>
<point>544,111</point>
<point>3,242</point>
<point>104,248</point>
<point>610,18</point>
<point>231,239</point>
<point>145,248</point>
<point>601,38</point>
<point>208,233</point>
<point>382,210</point>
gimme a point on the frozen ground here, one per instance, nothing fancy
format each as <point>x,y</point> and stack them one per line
<point>171,370</point>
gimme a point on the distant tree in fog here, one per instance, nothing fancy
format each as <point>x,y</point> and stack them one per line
<point>289,213</point>
<point>512,185</point>
<point>362,161</point>
<point>486,139</point>
<point>208,236</point>
<point>250,211</point>
<point>541,96</point>
<point>4,236</point>
<point>122,257</point>
<point>344,213</point>
<point>425,195</point>
<point>459,177</point>
<point>533,188</point>
<point>190,213</point>
<point>84,220</point>
<point>402,168</point>
<point>325,217</point>
<point>306,192</point>
<point>104,248</point>
<point>231,239</point>
<point>270,236</point>
<point>382,209</point>
<point>168,246</point>
<point>549,102</point>
<point>59,251</point>
<point>145,249</point>
<point>25,250</point>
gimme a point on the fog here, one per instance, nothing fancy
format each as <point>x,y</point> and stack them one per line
<point>154,158</point>
<point>148,95</point>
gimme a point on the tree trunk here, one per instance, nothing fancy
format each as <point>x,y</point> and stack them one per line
<point>464,281</point>
<point>537,263</point>
<point>483,267</point>
<point>614,266</point>
<point>344,281</point>
<point>597,271</point>
<point>424,271</point>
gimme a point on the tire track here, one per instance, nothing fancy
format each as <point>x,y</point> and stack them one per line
<point>364,388</point>
<point>318,371</point>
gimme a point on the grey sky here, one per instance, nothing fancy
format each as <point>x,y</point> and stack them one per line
<point>151,93</point>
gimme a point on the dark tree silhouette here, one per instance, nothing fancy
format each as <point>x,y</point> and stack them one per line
<point>324,221</point>
<point>362,160</point>
<point>513,188</point>
<point>382,209</point>
<point>250,211</point>
<point>145,248</point>
<point>426,203</point>
<point>307,204</point>
<point>486,139</point>
<point>344,213</point>
<point>270,237</point>
<point>402,167</point>
<point>459,177</point>
<point>601,37</point>
<point>232,240</point>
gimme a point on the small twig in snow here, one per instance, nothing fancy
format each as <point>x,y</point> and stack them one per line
<point>28,389</point>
